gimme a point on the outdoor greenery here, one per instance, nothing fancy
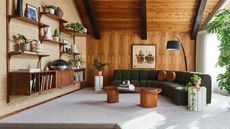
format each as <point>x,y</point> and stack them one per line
<point>221,26</point>
<point>98,65</point>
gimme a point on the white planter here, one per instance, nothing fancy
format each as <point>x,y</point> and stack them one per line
<point>200,101</point>
<point>56,39</point>
<point>51,10</point>
<point>98,83</point>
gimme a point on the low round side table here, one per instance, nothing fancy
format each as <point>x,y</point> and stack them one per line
<point>148,98</point>
<point>112,94</point>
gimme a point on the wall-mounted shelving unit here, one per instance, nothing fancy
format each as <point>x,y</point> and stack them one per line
<point>23,83</point>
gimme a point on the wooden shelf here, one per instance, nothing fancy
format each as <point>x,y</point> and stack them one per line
<point>71,32</point>
<point>71,53</point>
<point>27,20</point>
<point>53,41</point>
<point>53,17</point>
<point>12,53</point>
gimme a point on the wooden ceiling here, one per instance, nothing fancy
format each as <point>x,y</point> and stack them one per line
<point>162,15</point>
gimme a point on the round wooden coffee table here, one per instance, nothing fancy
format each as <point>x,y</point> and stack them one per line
<point>148,97</point>
<point>112,94</point>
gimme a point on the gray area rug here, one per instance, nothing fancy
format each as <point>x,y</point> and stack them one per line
<point>86,109</point>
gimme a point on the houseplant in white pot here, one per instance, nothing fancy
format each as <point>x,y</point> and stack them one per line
<point>24,42</point>
<point>99,66</point>
<point>76,61</point>
<point>51,8</point>
<point>56,35</point>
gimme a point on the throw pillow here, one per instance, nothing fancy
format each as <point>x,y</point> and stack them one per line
<point>170,76</point>
<point>161,75</point>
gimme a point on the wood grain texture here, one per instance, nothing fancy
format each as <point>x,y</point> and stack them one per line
<point>115,48</point>
<point>162,15</point>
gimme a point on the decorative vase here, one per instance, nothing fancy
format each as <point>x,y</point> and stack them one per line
<point>99,73</point>
<point>78,64</point>
<point>38,46</point>
<point>19,8</point>
<point>73,48</point>
<point>56,39</point>
<point>51,10</point>
<point>48,34</point>
<point>25,47</point>
<point>59,12</point>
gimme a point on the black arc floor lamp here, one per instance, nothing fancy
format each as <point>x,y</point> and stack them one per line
<point>177,45</point>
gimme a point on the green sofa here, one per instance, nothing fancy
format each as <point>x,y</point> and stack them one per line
<point>174,90</point>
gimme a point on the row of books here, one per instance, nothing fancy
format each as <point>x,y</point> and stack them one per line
<point>45,83</point>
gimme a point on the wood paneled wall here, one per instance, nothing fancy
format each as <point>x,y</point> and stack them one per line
<point>115,48</point>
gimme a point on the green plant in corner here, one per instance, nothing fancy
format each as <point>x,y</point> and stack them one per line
<point>99,66</point>
<point>221,26</point>
<point>189,87</point>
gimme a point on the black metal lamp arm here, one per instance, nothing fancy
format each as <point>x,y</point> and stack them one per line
<point>185,58</point>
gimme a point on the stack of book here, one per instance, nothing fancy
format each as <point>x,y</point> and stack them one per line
<point>45,83</point>
<point>128,87</point>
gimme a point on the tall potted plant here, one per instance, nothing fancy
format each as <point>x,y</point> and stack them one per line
<point>99,66</point>
<point>221,26</point>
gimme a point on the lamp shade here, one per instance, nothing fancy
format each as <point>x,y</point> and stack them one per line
<point>173,45</point>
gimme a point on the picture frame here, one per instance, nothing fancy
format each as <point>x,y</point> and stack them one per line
<point>144,56</point>
<point>31,12</point>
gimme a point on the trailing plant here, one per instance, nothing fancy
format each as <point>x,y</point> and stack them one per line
<point>98,65</point>
<point>56,33</point>
<point>24,39</point>
<point>50,6</point>
<point>189,87</point>
<point>74,60</point>
<point>76,27</point>
<point>221,27</point>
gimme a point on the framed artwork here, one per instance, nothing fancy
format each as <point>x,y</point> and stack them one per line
<point>144,56</point>
<point>31,12</point>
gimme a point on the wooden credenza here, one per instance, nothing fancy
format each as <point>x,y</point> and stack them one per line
<point>65,77</point>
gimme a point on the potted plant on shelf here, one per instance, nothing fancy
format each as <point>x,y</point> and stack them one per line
<point>221,27</point>
<point>76,27</point>
<point>51,8</point>
<point>99,66</point>
<point>56,35</point>
<point>24,42</point>
<point>76,61</point>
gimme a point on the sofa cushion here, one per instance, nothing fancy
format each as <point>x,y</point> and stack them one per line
<point>134,75</point>
<point>170,76</point>
<point>135,82</point>
<point>161,75</point>
<point>126,75</point>
<point>143,75</point>
<point>152,75</point>
<point>117,75</point>
<point>181,78</point>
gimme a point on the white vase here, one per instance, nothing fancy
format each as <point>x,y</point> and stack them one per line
<point>48,34</point>
<point>56,39</point>
<point>74,48</point>
<point>38,46</point>
<point>51,10</point>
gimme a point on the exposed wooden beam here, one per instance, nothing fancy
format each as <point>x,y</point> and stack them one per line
<point>214,11</point>
<point>197,21</point>
<point>143,20</point>
<point>92,18</point>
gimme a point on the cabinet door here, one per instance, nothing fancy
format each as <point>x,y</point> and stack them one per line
<point>67,77</point>
<point>59,78</point>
